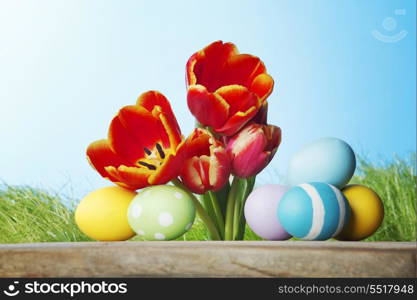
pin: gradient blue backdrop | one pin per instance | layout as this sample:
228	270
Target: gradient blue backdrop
67	66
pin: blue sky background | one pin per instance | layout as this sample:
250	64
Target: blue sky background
66	67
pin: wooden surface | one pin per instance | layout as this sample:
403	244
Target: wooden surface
209	259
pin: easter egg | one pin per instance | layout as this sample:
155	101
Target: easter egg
102	214
260	212
328	160
161	212
367	213
313	211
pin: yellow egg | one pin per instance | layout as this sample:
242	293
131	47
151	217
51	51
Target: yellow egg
102	214
367	213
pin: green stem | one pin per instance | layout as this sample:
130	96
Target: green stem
222	197
211	227
230	209
239	233
239	205
208	207
236	218
217	212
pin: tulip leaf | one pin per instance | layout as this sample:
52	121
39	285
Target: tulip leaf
245	188
211	205
239	191
222	197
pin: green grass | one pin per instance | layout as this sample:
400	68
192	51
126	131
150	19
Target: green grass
395	183
32	215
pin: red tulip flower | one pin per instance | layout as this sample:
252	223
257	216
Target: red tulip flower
208	165
253	148
226	89
144	146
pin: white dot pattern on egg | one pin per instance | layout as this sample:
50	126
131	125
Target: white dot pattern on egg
159	236
165	219
136	210
166	212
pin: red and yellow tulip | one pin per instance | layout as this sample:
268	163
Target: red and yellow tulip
226	89
253	148
207	167
144	145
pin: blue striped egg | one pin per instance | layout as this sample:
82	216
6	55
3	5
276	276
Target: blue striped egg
313	211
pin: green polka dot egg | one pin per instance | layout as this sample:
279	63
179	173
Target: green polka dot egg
161	212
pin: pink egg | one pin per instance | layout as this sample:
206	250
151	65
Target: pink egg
261	212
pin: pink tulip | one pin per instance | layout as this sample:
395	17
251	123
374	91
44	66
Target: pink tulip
253	148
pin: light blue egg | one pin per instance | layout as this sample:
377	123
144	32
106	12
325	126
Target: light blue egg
329	160
313	211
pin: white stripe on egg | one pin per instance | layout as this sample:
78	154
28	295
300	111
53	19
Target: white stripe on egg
318	211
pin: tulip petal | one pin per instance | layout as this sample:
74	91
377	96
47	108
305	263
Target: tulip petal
208	164
123	143
171	166
198	143
273	136
190	176
142	125
190	72
100	156
243	107
205	67
236	122
171	130
132	177
242	168
261	116
209	109
251	138
203	166
219	171
253	148
195	174
238	97
158	104
242	69
247	151
150	99
262	85
204	173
